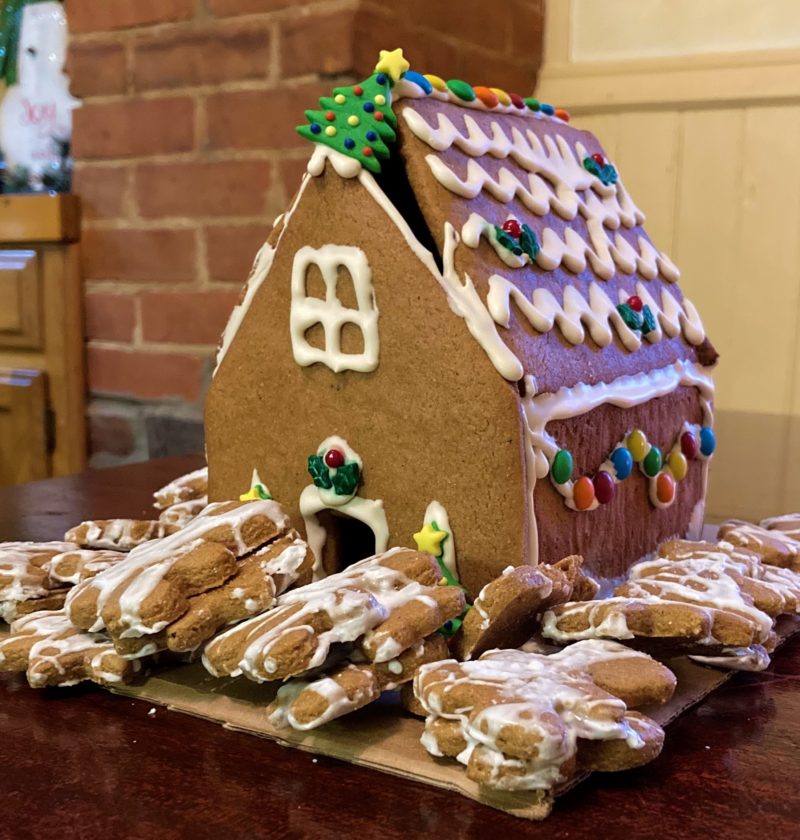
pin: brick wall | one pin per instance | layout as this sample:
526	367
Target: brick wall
185	151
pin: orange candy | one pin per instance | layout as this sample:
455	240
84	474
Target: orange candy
562	114
583	493
665	488
488	97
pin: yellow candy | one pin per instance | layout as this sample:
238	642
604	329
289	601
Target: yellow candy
353	120
637	444
436	82
678	465
340	99
380	99
504	98
330	131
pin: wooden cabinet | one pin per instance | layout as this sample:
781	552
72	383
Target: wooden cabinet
42	381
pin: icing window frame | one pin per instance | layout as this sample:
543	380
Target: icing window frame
307	311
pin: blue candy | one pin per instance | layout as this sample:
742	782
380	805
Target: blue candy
622	460
315	128
419	80
708	442
349	143
547	109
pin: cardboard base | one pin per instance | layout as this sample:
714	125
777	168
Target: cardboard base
382	736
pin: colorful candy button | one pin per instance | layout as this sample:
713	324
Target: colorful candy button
583	493
420	81
665	488
561	114
622	460
331	131
653	462
516	100
689	445
708	442
533	104
562	466
340	99
637	444
353	120
678	465
380	99
486	96
547	109
461	89
603	487
436	82
505	98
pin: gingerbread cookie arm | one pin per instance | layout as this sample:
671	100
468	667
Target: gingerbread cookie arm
644	744
413	621
81	564
181	513
306	706
118	534
776	548
187	487
11	611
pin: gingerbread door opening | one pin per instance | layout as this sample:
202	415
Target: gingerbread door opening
347	541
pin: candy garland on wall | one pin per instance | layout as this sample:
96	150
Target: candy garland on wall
590	492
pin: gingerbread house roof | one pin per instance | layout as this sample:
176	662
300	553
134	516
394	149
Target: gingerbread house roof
527	227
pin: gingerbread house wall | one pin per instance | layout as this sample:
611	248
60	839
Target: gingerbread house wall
433	421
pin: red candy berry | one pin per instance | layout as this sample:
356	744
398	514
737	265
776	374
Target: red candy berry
378	116
334	458
330	116
598	159
689	445
635	303
604	487
358	90
366	151
512	227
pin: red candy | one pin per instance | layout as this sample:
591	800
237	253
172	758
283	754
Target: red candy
378	116
516	100
366	151
358	90
583	493
689	445
604	487
598	159
330	116
512	227
334	458
635	303
665	488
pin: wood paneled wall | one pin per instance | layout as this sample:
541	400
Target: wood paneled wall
709	147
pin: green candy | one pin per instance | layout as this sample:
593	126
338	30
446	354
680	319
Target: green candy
533	104
562	466
507	241
631	317
461	89
649	321
529	242
652	462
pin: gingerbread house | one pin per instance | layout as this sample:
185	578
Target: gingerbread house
460	323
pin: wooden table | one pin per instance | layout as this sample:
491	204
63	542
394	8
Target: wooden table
82	763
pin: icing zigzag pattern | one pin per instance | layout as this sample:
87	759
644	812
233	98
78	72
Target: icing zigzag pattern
598	314
556	182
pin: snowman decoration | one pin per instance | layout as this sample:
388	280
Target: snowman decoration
36	111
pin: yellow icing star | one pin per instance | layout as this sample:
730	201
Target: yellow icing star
430	539
255	493
392	63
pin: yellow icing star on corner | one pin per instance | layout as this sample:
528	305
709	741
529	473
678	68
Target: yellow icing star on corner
430	539
255	493
392	63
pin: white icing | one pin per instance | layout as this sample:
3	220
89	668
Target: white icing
788	523
598	313
356	600
134	579
179	488
78	564
435	512
182	512
545	697
258	274
20	579
625	392
753	658
555	182
307	312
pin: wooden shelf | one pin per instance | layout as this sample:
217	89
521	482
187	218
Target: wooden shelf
40	218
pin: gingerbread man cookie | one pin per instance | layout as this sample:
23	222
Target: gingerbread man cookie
193	485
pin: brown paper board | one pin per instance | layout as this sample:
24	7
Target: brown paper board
382	736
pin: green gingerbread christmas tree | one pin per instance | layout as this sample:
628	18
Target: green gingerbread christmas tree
358	121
